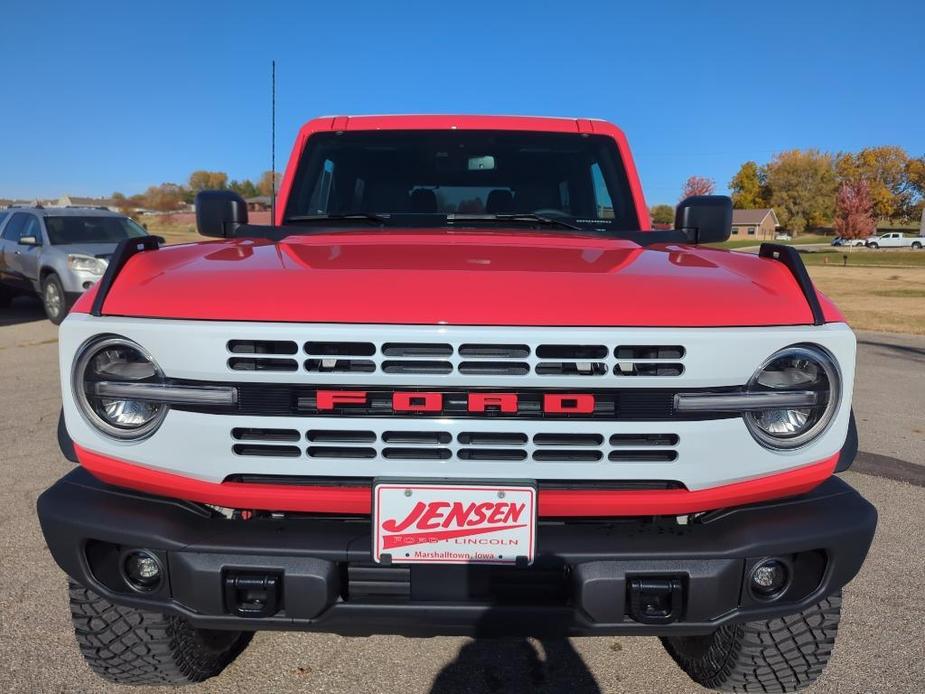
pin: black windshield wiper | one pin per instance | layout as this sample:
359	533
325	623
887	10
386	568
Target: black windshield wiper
525	217
370	217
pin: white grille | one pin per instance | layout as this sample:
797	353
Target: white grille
515	360
471	445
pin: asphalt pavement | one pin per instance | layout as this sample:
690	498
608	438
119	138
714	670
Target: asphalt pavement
880	646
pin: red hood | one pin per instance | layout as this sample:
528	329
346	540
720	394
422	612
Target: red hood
439	277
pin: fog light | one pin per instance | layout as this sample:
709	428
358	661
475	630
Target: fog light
142	570
769	578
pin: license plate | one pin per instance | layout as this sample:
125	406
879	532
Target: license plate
453	523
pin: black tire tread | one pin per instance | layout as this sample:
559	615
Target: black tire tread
132	646
779	655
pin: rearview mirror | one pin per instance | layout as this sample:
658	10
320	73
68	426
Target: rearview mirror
219	212
29	241
705	218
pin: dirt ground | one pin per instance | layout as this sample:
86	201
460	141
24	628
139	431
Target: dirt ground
888	299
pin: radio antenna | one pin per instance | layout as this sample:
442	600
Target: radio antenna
273	146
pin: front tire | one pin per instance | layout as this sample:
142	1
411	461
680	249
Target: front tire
778	655
54	299
130	646
873	245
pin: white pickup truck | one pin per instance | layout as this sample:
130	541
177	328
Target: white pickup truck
895	239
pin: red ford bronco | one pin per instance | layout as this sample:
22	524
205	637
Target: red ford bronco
458	387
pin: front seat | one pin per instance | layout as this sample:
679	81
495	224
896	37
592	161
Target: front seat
423	200
499	202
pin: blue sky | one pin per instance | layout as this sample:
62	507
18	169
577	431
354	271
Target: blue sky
116	96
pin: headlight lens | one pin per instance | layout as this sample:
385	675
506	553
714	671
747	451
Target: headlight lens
798	368
117	360
86	263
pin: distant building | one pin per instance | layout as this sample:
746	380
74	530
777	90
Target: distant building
74	201
259	203
759	224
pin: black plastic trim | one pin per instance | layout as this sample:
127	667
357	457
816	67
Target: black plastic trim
642	238
850	450
790	257
712	555
124	251
65	442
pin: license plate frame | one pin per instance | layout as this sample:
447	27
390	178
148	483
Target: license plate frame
435	536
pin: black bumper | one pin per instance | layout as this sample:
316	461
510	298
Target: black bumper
578	585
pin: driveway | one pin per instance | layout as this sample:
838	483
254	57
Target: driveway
879	647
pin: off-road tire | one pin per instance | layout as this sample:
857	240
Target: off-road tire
779	655
52	283
916	245
130	646
873	245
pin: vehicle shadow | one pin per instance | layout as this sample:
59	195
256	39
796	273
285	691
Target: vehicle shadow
23	309
916	353
491	665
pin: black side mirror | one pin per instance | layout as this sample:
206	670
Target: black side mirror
705	218
219	212
29	241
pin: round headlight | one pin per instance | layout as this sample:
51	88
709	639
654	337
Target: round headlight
117	360
800	369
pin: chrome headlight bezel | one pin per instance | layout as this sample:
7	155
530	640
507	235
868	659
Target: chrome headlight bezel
824	413
81	262
90	349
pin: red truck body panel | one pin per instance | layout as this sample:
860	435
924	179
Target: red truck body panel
552	502
515	278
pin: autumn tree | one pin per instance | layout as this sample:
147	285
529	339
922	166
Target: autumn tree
697	185
749	187
125	205
853	210
802	185
207	180
265	186
167	197
885	169
662	214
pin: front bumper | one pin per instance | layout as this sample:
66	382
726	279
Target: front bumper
578	585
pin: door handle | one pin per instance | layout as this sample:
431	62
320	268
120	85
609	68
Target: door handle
17	253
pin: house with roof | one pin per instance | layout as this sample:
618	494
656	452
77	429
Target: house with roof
74	201
759	224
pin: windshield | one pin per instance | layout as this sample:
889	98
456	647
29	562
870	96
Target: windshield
430	177
73	229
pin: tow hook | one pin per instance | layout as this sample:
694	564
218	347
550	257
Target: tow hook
655	600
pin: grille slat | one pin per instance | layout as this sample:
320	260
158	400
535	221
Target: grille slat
340	452
568	439
340	365
411	349
262	347
340	349
262	364
494	368
419	366
489	351
409	453
340	436
255	434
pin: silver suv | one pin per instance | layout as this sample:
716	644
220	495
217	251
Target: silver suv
57	253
